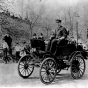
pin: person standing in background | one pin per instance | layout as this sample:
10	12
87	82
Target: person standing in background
7	38
5	49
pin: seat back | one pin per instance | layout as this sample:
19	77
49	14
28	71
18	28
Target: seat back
62	47
38	44
62	43
34	43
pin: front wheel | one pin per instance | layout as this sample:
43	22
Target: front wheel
25	67
48	70
77	66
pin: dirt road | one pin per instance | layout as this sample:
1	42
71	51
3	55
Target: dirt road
9	77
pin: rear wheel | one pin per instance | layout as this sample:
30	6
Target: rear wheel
25	67
77	66
48	70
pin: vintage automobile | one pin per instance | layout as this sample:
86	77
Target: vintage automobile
69	54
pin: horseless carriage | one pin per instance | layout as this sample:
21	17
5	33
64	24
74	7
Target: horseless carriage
68	54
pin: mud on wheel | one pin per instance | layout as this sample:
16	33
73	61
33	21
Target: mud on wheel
25	67
48	70
77	66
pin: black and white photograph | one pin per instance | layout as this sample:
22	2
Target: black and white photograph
44	43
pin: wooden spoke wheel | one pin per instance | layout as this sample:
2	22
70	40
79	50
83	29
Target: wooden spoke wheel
77	66
25	67
48	70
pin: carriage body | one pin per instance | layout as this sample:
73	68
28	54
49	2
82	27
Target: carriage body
64	57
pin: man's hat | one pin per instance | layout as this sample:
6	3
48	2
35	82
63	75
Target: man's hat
41	33
58	21
34	34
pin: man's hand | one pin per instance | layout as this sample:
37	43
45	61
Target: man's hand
62	38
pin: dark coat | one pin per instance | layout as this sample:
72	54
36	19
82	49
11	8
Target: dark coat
61	31
8	40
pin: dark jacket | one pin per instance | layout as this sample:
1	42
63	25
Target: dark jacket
8	40
61	31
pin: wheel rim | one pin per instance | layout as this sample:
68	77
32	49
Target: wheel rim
25	67
78	67
48	71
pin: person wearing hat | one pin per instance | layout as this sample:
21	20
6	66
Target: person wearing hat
41	36
34	36
52	36
7	38
61	33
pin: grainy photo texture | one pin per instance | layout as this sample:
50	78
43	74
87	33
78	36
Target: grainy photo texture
44	43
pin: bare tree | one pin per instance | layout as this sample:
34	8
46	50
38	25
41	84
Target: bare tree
33	17
47	25
71	19
65	18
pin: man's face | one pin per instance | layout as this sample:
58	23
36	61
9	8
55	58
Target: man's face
7	34
59	24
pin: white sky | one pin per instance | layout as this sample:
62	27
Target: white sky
52	4
64	2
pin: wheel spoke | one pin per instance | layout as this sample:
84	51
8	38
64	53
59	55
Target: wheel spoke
51	76
48	78
44	77
44	67
25	72
46	63
29	69
52	70
52	66
43	70
30	66
44	74
80	71
21	64
25	60
78	74
22	70
81	65
21	67
80	60
75	74
74	70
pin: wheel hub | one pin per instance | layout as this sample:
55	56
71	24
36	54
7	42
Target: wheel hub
26	66
76	65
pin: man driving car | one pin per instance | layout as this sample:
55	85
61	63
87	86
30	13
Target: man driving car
61	33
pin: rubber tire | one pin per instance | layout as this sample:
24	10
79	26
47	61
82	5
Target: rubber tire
25	77
41	68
